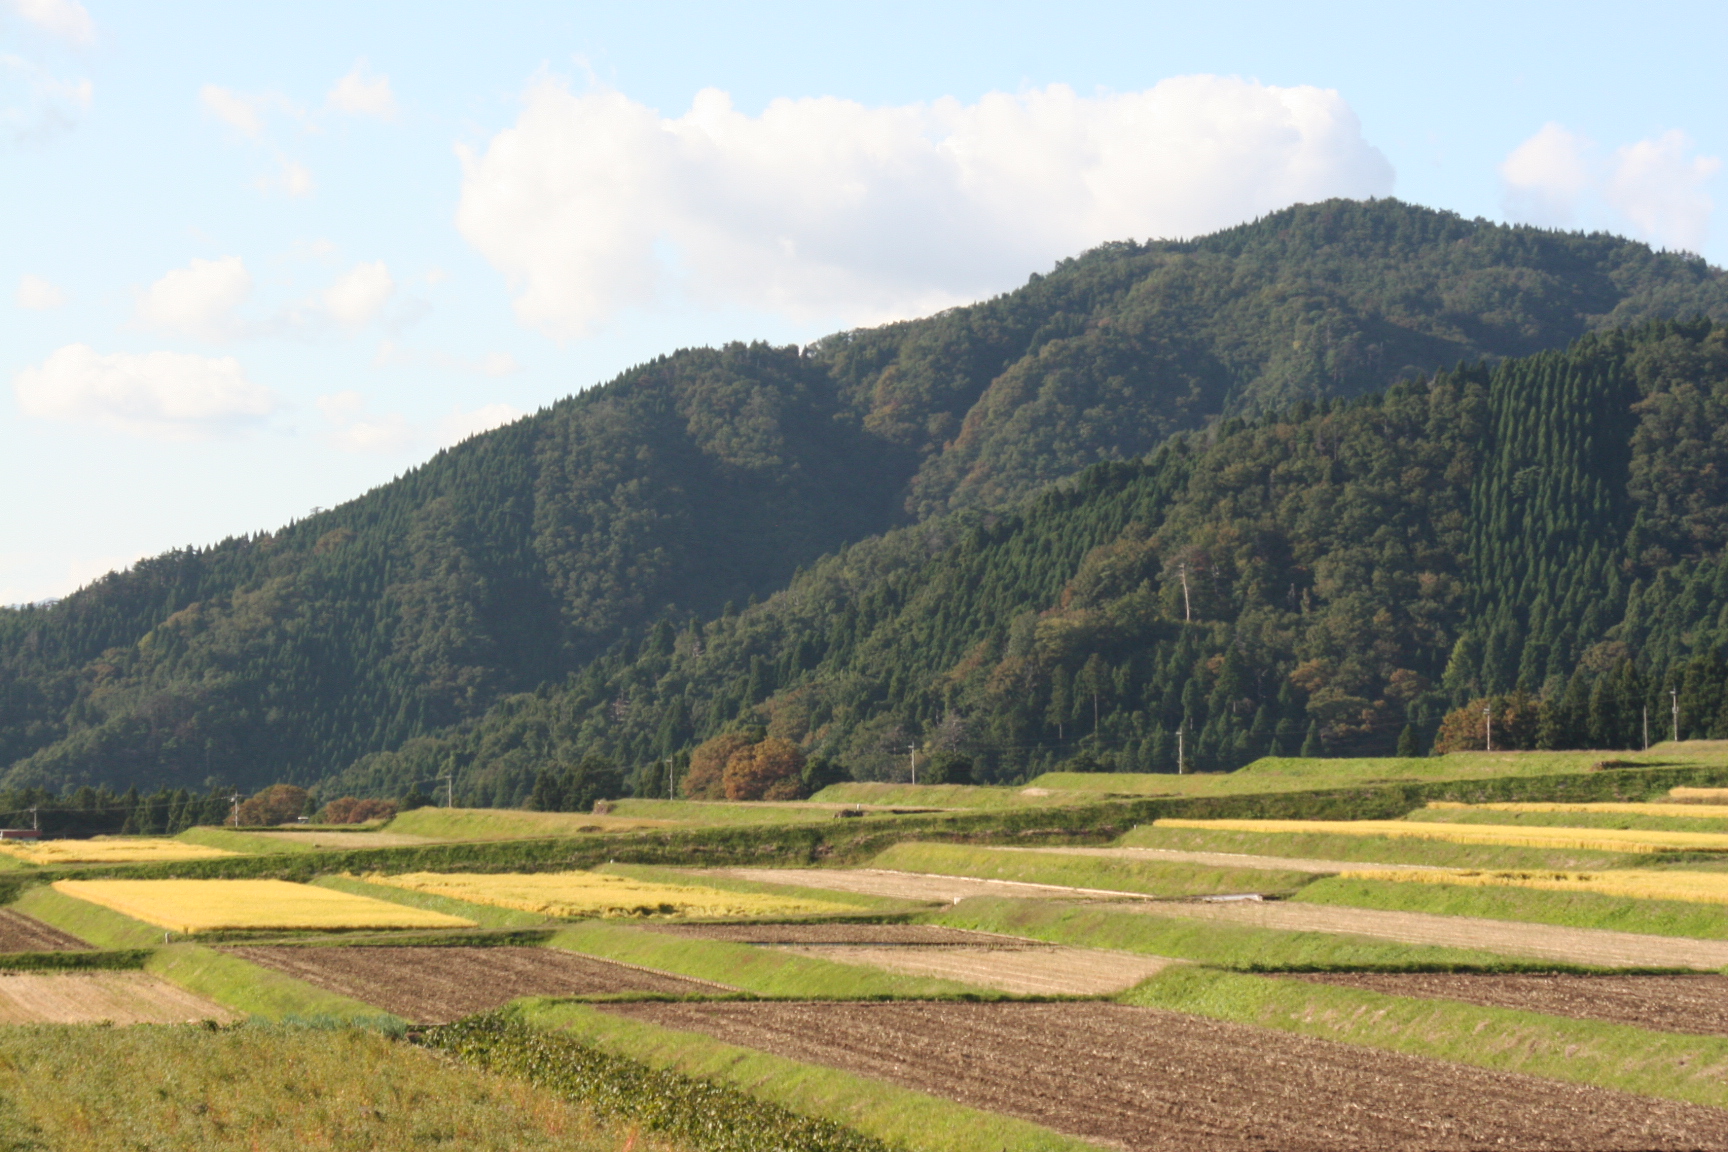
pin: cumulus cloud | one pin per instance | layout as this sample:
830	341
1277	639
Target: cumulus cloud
360	294
827	208
199	299
360	94
242	113
64	18
1654	188
163	395
459	425
353	429
37	294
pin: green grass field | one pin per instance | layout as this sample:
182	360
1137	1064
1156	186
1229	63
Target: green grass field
1372	849
1583	1051
949	796
1150	878
1211	943
271	1089
237	841
1531	905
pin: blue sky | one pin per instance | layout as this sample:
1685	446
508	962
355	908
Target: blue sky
259	258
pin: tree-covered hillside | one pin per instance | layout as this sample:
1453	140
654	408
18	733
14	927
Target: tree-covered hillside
619	516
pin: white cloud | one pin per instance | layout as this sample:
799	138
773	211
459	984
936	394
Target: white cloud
199	299
824	208
64	18
1546	175
51	107
459	425
359	94
238	111
165	395
296	179
359	294
37	294
353	429
1653	188
1657	186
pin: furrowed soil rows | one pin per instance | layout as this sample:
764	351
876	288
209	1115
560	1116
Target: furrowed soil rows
924	886
1697	1005
21	933
1593	946
1053	971
92	997
1146	1079
438	985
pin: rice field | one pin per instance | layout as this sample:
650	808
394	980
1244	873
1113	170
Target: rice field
1637	883
193	906
1617	808
574	895
1529	836
107	850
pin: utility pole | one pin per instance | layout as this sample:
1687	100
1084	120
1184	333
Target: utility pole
449	790
913	748
1187	609
1646	727
1674	695
1488	726
35	823
1181	760
669	778
235	815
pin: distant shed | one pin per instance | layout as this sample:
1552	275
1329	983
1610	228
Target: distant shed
19	834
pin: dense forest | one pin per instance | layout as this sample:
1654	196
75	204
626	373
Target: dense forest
1307	483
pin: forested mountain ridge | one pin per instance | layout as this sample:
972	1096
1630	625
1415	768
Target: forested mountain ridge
710	476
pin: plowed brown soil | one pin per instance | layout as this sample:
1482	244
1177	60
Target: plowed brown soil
1692	1004
1593	946
879	935
1147	1079
92	997
437	985
21	933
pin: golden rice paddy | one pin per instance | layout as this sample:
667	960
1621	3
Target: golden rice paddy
1642	884
192	906
569	895
108	850
1520	836
1691	796
1617	808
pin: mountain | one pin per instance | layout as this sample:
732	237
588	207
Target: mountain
539	562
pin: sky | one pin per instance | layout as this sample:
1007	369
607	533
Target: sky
256	259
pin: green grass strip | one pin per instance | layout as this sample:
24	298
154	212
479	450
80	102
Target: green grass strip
763	971
246	842
1688	1068
72	961
895	1116
1210	942
1153	878
1531	905
1373	849
258	991
485	915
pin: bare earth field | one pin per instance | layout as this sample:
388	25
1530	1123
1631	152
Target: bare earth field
912	885
1145	1079
878	935
1027	971
92	997
1697	1005
437	985
21	933
1594	946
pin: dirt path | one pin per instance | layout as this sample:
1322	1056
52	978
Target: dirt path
437	985
92	997
1150	1080
925	886
1697	1005
1232	860
21	933
1546	941
1049	971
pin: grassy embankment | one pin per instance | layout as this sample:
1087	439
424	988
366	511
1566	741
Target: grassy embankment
1371	849
272	1089
766	972
895	1116
1150	878
1221	945
1531	905
953	796
1619	1056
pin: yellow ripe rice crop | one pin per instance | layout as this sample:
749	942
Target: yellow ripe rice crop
192	906
1691	796
1617	808
1642	884
568	895
1519	836
107	850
